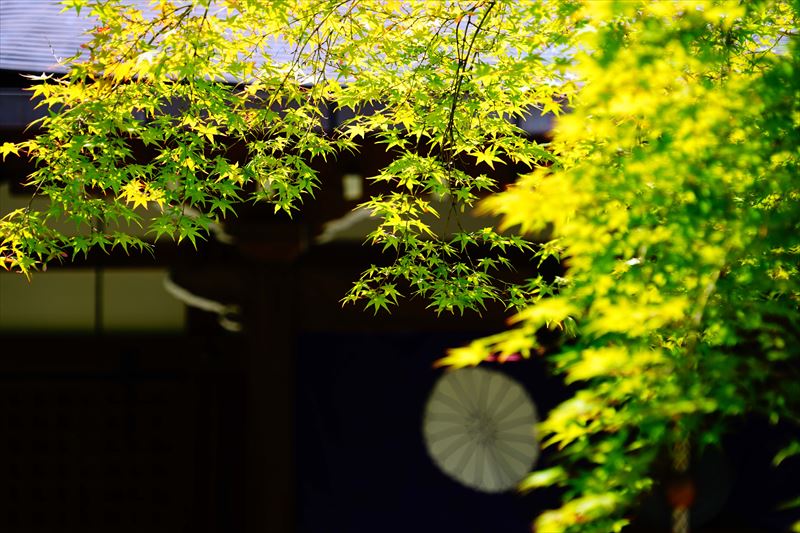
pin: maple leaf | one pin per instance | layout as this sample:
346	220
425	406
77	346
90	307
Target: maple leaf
488	156
8	148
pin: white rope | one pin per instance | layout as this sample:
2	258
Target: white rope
224	311
335	229
680	520
680	462
680	459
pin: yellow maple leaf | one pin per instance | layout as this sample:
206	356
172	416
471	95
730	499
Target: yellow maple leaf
471	355
139	194
8	148
488	156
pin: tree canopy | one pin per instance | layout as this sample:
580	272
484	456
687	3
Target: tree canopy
668	190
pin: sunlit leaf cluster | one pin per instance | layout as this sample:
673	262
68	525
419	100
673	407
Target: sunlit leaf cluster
142	129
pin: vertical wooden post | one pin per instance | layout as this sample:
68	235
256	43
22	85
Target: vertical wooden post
269	462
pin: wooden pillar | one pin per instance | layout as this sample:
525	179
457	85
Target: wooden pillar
269	448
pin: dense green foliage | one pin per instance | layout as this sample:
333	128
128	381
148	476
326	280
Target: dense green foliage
669	190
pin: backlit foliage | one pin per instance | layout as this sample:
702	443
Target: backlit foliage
669	190
676	207
147	113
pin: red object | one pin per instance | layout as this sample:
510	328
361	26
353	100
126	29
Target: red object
681	493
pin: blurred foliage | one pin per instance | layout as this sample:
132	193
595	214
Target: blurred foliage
677	213
669	190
